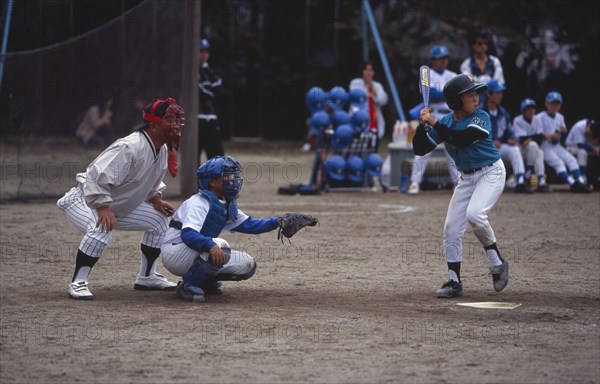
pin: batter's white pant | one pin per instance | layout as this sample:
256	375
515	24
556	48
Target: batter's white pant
580	154
557	157
143	218
474	197
178	258
511	154
420	166
534	157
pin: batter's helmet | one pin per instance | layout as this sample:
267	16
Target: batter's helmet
315	99
373	164
355	169
319	122
228	168
336	167
554	96
357	96
340	117
338	98
360	121
457	86
438	51
342	137
527	103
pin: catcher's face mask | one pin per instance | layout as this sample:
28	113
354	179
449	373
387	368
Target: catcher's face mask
232	178
169	114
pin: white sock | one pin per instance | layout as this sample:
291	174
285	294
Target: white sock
452	275
82	274
493	257
570	180
541	180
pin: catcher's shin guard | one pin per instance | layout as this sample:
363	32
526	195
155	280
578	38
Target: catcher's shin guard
199	272
235	276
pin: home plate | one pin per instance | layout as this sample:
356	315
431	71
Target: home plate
491	305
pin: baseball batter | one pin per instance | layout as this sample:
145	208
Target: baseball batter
192	248
122	189
466	133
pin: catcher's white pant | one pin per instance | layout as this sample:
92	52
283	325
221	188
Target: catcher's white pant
557	157
420	166
143	218
178	258
534	157
511	154
474	197
580	154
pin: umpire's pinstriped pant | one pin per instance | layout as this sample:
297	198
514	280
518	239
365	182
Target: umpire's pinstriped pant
143	218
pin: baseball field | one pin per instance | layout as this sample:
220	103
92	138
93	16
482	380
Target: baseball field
349	301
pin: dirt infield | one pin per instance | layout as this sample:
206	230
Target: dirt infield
349	301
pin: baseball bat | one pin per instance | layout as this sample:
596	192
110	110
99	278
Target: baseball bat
424	84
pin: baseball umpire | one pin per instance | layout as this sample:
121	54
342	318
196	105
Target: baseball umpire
467	135
122	189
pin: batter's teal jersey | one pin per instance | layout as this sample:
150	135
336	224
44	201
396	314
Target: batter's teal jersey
476	155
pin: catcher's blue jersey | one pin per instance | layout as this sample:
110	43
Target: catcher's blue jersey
479	154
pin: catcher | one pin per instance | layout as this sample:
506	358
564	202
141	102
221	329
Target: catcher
192	248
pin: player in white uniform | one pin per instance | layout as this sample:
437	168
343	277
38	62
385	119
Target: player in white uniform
528	130
122	189
192	247
581	143
553	124
503	134
439	76
466	133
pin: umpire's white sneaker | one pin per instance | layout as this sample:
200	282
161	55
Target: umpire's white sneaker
79	290
413	189
154	282
500	275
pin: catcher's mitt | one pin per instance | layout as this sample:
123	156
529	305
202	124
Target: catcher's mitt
291	223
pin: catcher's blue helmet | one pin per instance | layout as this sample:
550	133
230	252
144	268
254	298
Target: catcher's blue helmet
355	169
338	98
342	137
340	117
228	168
315	99
360	121
373	164
319	122
357	96
527	103
336	167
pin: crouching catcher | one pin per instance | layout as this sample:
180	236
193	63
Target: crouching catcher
192	248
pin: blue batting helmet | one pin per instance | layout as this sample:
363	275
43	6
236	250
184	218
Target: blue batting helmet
338	98
554	96
340	117
315	99
527	103
204	44
360	121
319	122
342	137
357	96
226	167
355	169
373	164
336	167
438	51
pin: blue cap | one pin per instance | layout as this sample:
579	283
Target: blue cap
336	167
355	169
495	86
438	51
527	103
373	164
553	96
204	44
342	137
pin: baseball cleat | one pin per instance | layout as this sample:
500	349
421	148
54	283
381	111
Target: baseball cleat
523	188
450	288
413	189
543	188
79	291
577	187
154	282
212	287
190	293
500	275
